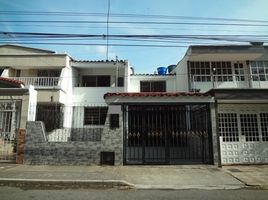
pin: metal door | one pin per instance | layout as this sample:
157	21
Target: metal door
7	131
160	134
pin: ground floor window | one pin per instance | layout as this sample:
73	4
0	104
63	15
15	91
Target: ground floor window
95	115
252	126
51	115
228	127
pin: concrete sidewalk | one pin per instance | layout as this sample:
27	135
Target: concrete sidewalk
138	177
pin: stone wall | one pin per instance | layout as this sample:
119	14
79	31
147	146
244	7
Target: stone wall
20	146
40	151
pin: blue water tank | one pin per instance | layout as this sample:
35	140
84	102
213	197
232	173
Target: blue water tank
162	70
171	67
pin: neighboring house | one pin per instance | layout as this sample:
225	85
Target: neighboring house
49	73
211	108
15	111
237	78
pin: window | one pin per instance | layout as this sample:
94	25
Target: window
239	72
153	86
95	115
120	81
264	126
228	128
249	127
49	73
114	121
259	70
222	71
96	81
200	71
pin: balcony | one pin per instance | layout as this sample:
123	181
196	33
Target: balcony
203	83
40	82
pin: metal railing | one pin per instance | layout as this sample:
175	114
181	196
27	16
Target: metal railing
39	81
227	81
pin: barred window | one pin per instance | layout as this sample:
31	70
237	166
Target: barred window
239	72
114	121
153	86
228	127
96	81
200	71
95	115
222	71
259	70
264	126
249	127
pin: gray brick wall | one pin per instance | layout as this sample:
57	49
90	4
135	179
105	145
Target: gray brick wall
39	151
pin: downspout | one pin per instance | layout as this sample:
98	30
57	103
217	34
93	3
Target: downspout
217	133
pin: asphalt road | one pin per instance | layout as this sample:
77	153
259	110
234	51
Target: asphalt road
7	193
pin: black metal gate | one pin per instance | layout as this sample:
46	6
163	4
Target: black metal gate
161	134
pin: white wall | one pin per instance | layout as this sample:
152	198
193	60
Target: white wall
32	104
182	76
85	95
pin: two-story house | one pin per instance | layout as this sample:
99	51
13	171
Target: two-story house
236	77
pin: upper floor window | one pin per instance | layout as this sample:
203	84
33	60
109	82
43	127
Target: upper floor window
49	73
222	71
95	115
153	86
96	81
259	70
203	71
120	81
200	71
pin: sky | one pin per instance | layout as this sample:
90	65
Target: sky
144	59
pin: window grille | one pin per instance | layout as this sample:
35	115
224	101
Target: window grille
153	86
259	70
96	81
228	128
239	72
200	71
222	72
249	127
114	121
264	126
95	115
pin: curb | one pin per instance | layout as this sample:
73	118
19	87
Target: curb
189	187
65	184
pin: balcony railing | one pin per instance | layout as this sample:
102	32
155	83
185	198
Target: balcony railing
39	81
206	82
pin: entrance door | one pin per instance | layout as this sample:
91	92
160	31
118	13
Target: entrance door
7	131
160	134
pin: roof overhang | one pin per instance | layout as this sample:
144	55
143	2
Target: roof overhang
13	91
240	95
224	53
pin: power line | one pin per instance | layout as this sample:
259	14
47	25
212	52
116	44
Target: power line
134	22
124	15
107	32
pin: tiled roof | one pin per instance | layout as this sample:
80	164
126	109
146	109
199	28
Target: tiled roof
156	94
153	74
11	81
99	61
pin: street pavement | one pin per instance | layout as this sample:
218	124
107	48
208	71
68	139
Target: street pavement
138	177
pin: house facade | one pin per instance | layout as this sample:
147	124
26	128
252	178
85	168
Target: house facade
210	109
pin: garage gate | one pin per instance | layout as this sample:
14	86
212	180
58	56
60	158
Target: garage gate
173	134
243	130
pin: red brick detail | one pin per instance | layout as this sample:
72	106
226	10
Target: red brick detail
155	94
20	146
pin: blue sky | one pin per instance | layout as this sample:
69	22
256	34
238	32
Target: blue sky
143	59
